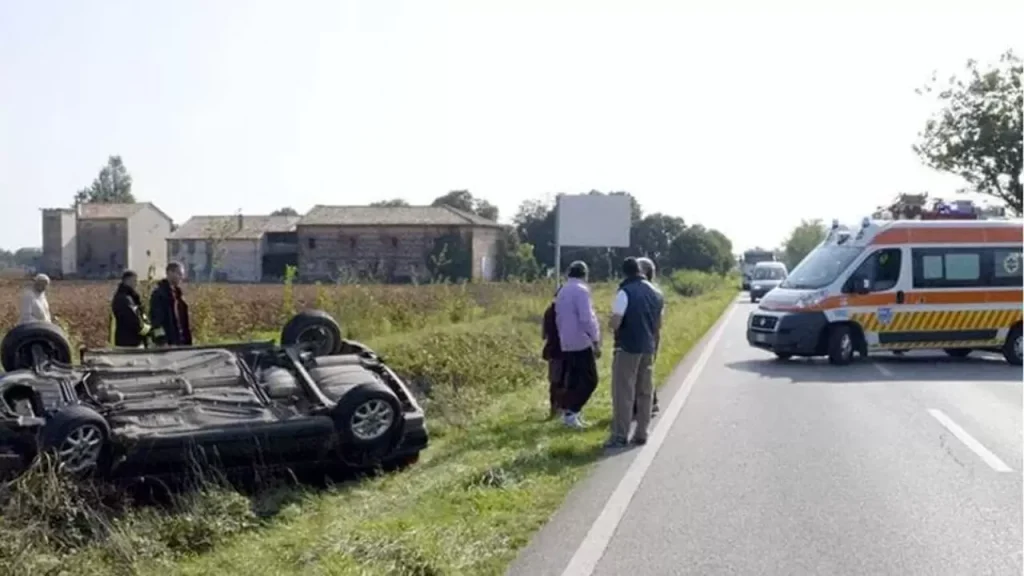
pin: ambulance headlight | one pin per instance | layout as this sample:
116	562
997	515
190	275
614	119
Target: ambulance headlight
811	299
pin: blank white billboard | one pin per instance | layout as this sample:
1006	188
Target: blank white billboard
594	221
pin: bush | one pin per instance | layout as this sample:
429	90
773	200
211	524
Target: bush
690	283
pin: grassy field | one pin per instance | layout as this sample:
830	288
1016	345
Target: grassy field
494	473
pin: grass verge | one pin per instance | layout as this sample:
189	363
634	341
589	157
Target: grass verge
494	474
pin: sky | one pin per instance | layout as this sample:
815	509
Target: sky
728	113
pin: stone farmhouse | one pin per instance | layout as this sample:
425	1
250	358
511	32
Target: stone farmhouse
236	248
390	243
100	241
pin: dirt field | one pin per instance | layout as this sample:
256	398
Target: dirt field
225	311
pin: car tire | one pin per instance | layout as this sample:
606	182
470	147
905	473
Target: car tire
78	439
1012	346
316	329
753	300
368	416
840	345
957	352
783	355
16	347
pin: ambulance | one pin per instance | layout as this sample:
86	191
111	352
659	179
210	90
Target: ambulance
898	285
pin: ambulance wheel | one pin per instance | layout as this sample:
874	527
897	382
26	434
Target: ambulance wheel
957	352
840	345
1012	347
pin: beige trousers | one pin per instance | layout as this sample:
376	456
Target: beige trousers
632	382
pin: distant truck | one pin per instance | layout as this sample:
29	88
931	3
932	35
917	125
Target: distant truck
750	259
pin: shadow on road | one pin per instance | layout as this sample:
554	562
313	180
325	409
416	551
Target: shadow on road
885	368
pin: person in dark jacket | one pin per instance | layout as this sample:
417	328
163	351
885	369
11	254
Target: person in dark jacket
168	310
647	269
552	354
129	327
636	322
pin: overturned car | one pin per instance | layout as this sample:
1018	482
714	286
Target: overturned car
315	399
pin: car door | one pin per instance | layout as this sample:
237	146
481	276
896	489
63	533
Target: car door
876	297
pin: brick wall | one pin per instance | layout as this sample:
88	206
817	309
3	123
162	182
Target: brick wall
102	248
392	253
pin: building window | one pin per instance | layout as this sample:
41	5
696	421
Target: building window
311	242
190	246
148	254
352	243
394	242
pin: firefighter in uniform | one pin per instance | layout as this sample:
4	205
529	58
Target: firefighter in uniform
169	311
128	325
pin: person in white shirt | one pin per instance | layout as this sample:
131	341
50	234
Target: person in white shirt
34	306
647	269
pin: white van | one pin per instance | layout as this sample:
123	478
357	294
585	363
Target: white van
953	285
765	277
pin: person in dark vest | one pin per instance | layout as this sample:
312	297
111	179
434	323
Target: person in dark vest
128	325
168	310
636	322
647	269
552	354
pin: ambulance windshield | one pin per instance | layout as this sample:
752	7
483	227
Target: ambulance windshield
821	267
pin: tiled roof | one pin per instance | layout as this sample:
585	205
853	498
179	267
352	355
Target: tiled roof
392	216
100	211
227	227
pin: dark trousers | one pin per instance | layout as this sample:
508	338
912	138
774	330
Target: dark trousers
556	383
580	378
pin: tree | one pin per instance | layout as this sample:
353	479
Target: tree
450	258
653	235
394	203
804	238
516	260
463	200
977	134
698	248
217	232
112	186
24	258
286	211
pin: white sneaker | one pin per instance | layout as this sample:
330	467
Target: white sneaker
572	421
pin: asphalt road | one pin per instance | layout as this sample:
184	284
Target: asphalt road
892	465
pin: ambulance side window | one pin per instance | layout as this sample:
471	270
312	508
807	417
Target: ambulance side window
882	268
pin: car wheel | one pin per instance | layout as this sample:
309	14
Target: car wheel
753	300
21	344
314	329
957	352
1012	347
368	416
783	355
840	345
77	438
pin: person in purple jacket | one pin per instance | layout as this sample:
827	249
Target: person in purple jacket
580	337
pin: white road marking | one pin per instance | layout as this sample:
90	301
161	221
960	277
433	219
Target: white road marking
991	459
885	371
594	544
